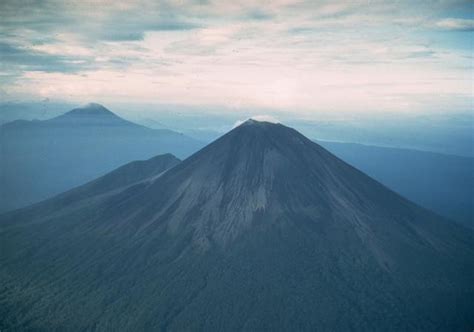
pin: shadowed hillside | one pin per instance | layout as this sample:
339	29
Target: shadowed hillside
40	159
442	183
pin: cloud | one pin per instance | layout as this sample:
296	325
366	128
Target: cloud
283	54
455	24
32	60
125	28
94	20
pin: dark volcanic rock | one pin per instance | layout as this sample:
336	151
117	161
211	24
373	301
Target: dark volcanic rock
260	230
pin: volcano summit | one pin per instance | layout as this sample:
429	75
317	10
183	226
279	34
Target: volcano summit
262	229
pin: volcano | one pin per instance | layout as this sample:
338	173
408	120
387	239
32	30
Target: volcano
40	159
262	229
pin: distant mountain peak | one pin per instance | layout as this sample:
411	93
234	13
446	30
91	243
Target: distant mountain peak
91	109
92	114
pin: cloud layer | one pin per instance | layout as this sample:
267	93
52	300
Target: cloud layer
299	56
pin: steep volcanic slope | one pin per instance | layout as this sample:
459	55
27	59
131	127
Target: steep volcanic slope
261	230
98	190
441	183
40	159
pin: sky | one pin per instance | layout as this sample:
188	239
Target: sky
296	57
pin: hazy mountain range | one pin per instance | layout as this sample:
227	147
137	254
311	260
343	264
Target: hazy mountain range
442	183
446	133
42	158
261	230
